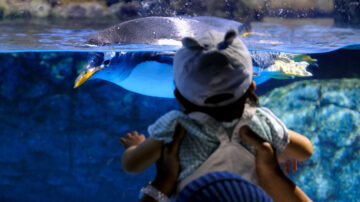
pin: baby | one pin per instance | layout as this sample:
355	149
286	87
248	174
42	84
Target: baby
213	79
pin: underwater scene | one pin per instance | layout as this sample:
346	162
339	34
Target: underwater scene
75	76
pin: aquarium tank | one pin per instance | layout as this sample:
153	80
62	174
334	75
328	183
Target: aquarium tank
59	142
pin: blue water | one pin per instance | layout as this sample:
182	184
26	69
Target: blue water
58	143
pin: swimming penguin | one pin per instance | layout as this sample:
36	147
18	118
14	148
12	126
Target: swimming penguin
146	73
141	71
161	30
150	72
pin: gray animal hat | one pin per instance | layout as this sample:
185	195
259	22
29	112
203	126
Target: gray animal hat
213	64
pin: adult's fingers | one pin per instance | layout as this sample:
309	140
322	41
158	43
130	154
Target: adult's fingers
294	165
287	167
252	138
179	135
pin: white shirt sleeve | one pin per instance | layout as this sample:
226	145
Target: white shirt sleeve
270	128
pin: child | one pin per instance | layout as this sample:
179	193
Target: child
213	79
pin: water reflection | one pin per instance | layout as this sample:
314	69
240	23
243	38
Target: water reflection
275	34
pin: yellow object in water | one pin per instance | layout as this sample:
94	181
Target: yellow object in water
85	75
285	68
304	57
245	34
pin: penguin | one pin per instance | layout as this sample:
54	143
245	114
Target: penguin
141	71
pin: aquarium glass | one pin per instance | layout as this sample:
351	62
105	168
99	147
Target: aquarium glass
60	143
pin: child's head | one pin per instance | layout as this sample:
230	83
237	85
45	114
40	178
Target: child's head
213	71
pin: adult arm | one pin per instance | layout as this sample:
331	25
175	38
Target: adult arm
167	167
270	176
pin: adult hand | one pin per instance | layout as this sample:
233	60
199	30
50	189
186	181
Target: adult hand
168	166
265	158
270	176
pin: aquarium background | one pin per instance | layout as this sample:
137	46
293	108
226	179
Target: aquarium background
58	143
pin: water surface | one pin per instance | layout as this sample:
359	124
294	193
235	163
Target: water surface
287	35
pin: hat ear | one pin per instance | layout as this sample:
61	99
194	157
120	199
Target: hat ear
191	43
228	39
230	36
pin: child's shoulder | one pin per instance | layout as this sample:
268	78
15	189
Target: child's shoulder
265	117
172	114
264	112
270	128
169	117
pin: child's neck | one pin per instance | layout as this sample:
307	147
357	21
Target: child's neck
222	114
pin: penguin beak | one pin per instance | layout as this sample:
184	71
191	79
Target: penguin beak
86	74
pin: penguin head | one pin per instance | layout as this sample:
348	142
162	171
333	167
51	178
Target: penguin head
96	61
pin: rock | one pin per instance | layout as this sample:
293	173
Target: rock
94	10
115	100
40	8
53	113
4	9
15	9
347	12
87	109
325	6
111	2
327	112
299	9
238	10
22	13
79	10
37	89
62	142
9	84
155	8
125	10
62	70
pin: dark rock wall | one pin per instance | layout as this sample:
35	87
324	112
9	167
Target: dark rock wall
328	113
61	144
127	9
347	12
326	109
242	10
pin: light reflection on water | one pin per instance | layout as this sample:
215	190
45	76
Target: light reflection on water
290	35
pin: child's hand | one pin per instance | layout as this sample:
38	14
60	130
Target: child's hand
288	163
132	139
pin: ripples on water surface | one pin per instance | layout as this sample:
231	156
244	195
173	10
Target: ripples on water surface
301	36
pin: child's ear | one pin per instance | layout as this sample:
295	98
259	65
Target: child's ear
253	85
177	96
191	43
